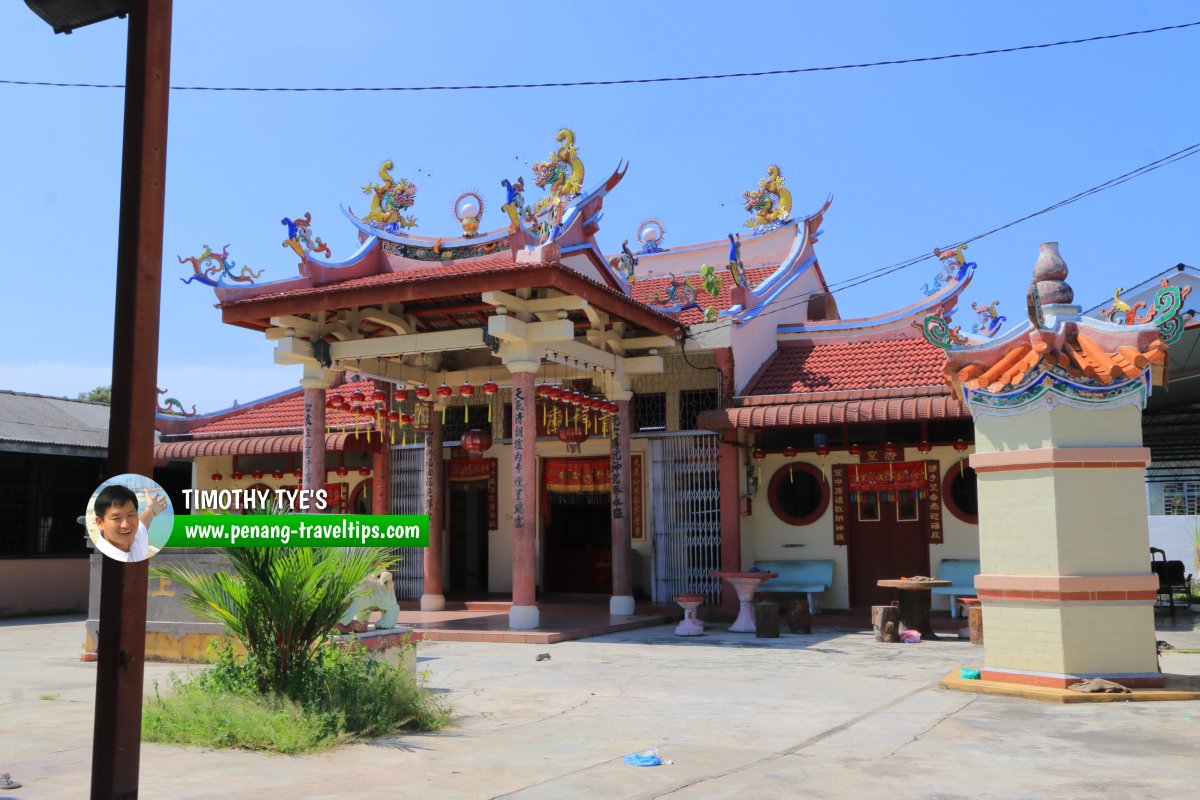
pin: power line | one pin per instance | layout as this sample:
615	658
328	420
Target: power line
624	81
875	274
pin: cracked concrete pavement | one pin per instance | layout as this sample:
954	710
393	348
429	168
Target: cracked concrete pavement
828	715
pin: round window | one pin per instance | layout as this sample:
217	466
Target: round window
960	493
798	494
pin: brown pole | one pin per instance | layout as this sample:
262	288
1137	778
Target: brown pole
117	729
433	596
313	458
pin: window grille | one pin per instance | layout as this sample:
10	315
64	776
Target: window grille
1181	498
408	497
691	403
650	412
686	515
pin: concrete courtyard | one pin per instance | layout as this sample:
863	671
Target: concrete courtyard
828	715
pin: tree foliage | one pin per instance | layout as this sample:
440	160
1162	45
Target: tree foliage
101	394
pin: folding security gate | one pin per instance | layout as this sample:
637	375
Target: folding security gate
408	464
686	503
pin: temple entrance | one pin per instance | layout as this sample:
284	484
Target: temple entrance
578	544
888	538
468	529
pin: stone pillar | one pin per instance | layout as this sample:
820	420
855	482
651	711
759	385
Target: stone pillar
621	603
524	612
432	597
313	457
1064	547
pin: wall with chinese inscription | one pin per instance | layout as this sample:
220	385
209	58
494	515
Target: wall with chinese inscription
766	537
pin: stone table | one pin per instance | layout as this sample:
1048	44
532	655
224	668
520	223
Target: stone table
745	584
914	603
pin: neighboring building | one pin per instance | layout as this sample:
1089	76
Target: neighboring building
713	416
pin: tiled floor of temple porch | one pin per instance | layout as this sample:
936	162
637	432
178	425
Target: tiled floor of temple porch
562	619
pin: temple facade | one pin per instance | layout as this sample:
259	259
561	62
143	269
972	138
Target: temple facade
620	421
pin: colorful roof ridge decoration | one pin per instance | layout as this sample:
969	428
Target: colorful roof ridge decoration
1059	356
220	268
648	290
770	203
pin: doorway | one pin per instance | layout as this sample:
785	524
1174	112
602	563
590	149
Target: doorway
468	528
577	535
888	538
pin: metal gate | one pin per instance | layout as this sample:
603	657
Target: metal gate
686	500
408	498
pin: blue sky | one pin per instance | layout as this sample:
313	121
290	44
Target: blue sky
916	156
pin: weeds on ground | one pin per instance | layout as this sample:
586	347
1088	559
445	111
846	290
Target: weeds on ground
341	694
55	696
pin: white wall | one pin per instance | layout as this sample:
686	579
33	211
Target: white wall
1175	535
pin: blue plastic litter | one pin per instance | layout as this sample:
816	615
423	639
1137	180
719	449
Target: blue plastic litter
647	759
968	674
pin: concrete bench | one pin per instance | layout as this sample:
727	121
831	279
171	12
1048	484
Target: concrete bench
962	572
810	577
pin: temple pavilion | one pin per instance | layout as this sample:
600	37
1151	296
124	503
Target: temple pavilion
616	421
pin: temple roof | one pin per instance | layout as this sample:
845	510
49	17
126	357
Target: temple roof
646	289
282	413
805	368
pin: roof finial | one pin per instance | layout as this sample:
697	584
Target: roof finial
1050	273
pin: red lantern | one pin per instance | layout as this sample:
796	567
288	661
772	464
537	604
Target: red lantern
217	477
393	416
924	447
960	446
297	474
406	419
257	474
342	472
357	397
379	395
476	442
855	450
330	405
789	452
466	390
445	391
235	475
572	436
543	389
823	450
490	388
364	471
758	454
277	474
422	392
400	395
890	449
555	393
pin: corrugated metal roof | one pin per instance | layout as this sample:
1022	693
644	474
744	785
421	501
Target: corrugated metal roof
52	420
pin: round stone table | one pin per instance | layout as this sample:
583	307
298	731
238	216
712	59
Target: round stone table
914	603
689	626
745	584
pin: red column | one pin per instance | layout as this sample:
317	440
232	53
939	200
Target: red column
432	597
731	523
313	475
524	611
621	603
381	482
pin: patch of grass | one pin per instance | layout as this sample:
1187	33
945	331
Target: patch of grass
343	694
50	697
1190	650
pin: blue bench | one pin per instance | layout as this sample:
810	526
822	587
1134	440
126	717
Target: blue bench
961	572
810	577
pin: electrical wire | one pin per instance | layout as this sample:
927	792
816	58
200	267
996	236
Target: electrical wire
875	274
627	81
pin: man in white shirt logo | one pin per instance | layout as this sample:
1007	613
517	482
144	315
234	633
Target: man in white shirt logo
123	533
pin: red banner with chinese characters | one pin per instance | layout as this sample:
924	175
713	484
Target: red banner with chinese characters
839	503
478	469
578	475
637	531
904	476
933	471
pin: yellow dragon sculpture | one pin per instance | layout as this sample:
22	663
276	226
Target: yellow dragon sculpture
389	198
770	202
562	170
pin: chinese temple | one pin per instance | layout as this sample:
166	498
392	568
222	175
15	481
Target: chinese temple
615	421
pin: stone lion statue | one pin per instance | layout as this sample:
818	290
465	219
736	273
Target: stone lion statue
380	597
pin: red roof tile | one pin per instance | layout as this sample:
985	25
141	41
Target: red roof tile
808	368
646	289
244	446
900	409
285	414
502	262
